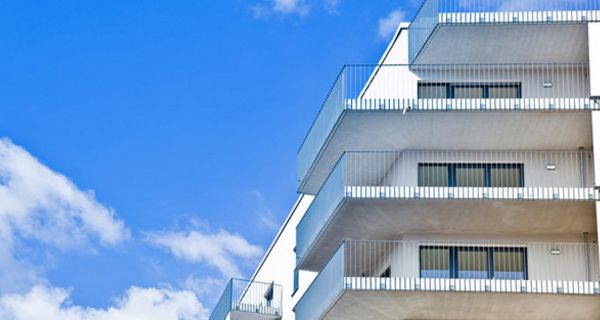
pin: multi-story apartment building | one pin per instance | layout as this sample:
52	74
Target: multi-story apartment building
455	179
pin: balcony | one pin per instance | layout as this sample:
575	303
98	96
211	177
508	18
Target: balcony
413	279
248	300
494	31
394	107
381	195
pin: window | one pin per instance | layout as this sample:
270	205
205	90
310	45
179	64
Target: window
505	175
468	90
473	262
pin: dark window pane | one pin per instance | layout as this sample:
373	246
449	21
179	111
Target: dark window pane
468	92
432	91
508	176
435	262
470	176
509	264
472	263
504	92
433	175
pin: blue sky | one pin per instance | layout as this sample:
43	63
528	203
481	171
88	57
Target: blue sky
177	123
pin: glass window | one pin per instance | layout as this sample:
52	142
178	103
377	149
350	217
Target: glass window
432	91
433	175
470	175
509	263
504	92
468	92
506	175
472	263
435	262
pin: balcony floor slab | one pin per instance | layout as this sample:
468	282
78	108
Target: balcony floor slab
476	130
382	305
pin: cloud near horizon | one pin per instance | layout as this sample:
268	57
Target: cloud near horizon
43	302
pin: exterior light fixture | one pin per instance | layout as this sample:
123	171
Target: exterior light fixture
555	252
550	166
547	84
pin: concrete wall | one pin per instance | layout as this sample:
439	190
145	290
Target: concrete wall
280	261
571	81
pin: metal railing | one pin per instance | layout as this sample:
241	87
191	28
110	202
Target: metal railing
435	12
462	266
414	174
404	88
248	296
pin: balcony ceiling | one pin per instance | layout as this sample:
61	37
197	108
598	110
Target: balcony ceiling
393	131
394	305
510	43
378	219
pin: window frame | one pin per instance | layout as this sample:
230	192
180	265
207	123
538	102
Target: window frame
452	174
453	259
450	89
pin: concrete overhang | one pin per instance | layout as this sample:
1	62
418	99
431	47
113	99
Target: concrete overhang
452	130
410	305
390	219
506	43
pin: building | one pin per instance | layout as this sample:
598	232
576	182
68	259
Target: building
456	178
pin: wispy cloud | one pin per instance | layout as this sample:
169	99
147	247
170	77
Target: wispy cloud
387	26
266	218
41	206
332	6
43	302
222	250
301	8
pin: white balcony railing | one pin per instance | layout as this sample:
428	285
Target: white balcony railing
436	12
447	88
263	300
451	175
453	266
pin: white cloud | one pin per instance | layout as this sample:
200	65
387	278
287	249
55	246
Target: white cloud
332	6
290	6
43	302
389	25
40	206
266	218
222	249
267	8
